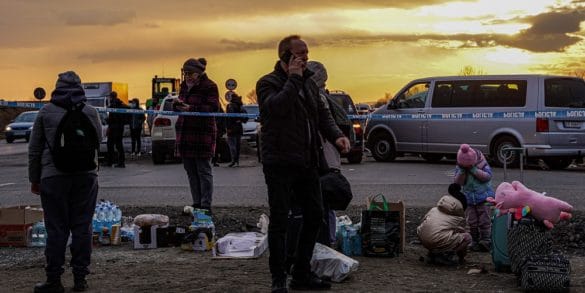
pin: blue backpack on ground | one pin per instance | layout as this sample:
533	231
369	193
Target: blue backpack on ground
75	145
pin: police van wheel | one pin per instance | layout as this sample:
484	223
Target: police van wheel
158	158
382	147
499	156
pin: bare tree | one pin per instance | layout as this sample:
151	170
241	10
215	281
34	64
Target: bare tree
252	97
382	101
470	70
580	73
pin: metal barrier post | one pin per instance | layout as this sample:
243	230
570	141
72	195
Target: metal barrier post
520	151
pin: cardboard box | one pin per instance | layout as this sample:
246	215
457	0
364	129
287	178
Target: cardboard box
145	237
395	207
20	215
15	223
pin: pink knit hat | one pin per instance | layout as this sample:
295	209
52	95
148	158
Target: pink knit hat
466	156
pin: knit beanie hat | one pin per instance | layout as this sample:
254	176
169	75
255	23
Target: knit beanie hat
466	156
195	65
319	73
68	79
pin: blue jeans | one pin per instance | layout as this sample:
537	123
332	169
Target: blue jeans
234	143
200	181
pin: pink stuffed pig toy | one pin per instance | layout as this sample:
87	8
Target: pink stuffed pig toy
547	209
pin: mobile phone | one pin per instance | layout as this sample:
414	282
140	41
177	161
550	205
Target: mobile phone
285	57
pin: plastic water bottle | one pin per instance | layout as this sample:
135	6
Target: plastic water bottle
101	219
345	242
117	215
39	235
356	242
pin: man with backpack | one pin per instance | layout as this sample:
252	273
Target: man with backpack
62	166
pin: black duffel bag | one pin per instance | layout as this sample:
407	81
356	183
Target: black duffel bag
336	190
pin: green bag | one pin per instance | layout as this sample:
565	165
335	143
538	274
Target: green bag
380	229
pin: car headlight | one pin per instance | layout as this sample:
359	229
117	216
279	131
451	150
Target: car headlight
30	128
8	128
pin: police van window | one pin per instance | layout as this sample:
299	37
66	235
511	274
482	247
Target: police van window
479	93
564	92
414	97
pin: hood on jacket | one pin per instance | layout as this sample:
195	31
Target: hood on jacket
68	90
450	205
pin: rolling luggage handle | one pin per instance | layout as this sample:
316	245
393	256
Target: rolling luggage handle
521	151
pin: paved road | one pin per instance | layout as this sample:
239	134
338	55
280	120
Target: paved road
412	180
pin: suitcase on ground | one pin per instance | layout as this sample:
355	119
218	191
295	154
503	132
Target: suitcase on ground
527	236
550	273
499	251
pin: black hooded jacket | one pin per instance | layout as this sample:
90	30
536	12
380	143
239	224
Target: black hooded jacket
292	114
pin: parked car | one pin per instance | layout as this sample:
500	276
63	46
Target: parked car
251	126
433	116
163	135
356	136
21	126
363	109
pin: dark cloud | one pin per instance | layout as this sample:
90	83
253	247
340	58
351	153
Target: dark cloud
97	17
552	31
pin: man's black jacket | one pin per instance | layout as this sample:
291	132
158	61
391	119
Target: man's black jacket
292	114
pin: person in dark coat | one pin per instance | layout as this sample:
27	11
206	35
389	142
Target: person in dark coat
234	128
68	199
292	115
116	122
136	126
195	143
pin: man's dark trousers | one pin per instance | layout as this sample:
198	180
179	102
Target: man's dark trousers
284	184
68	204
115	138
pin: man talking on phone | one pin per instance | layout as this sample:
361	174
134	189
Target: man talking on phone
292	115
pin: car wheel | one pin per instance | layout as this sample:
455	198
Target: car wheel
158	157
557	163
355	158
432	158
382	147
27	138
499	156
9	139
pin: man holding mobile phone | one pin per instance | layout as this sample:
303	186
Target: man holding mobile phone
292	115
195	143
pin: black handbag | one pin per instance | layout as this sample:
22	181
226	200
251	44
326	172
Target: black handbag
336	190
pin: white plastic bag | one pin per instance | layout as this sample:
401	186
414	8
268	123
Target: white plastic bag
245	244
328	263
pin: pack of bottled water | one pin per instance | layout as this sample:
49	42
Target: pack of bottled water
106	214
38	235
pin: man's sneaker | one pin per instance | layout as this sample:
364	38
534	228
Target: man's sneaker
279	285
49	286
311	282
80	285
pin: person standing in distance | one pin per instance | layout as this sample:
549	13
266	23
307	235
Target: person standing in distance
68	195
196	136
115	133
292	115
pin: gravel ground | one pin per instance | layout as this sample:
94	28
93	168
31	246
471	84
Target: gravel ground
122	269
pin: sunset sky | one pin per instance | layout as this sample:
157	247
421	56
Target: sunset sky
369	47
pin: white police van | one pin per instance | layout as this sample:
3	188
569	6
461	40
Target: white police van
542	114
